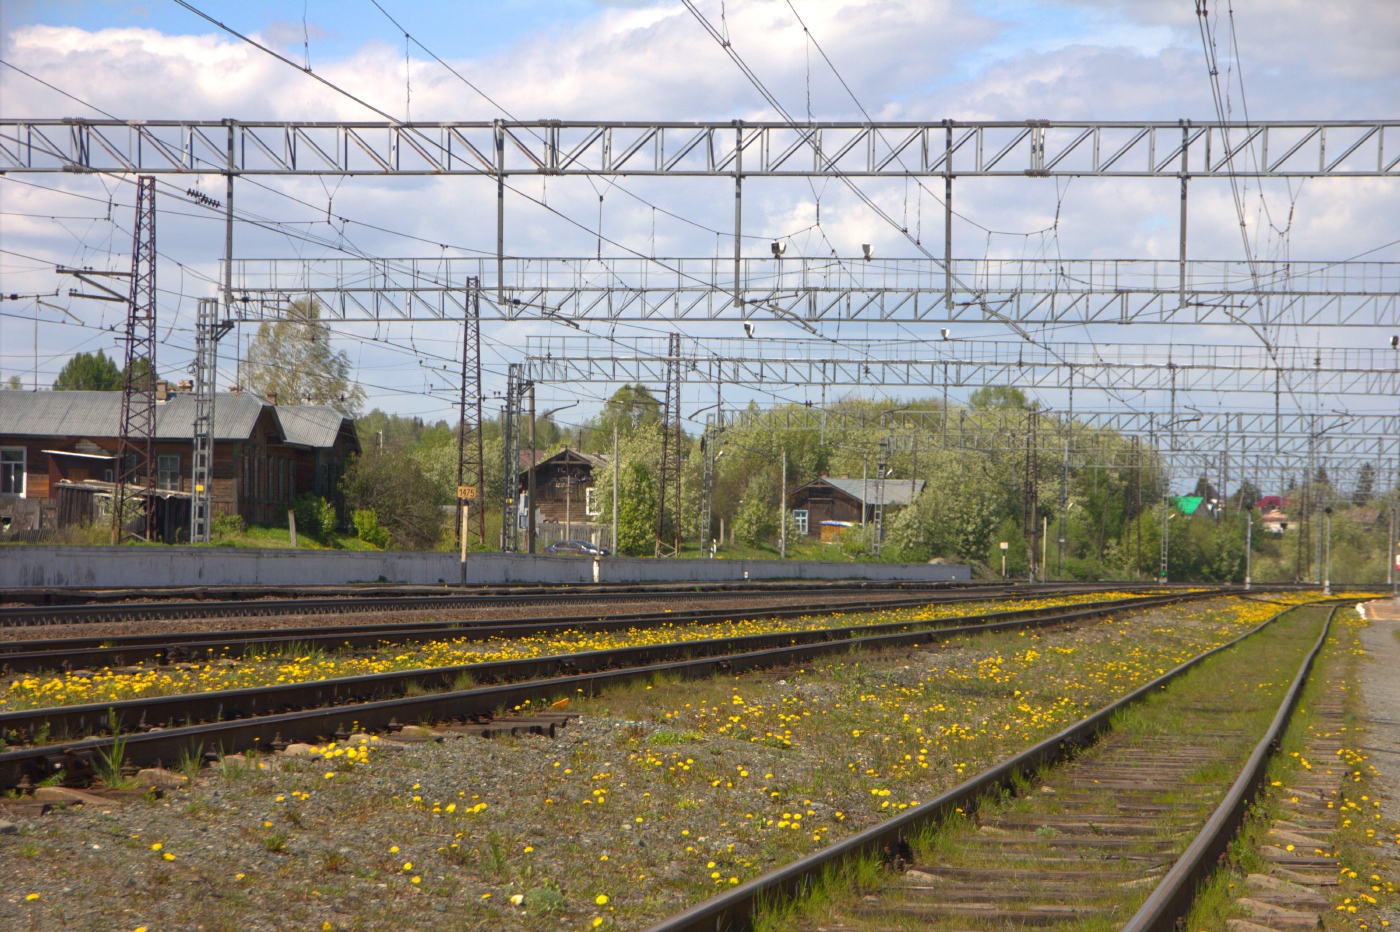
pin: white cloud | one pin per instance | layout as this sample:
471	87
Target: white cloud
909	60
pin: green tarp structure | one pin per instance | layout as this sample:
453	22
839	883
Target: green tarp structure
1187	504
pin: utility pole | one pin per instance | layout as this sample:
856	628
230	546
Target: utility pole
782	512
882	462
1248	543
530	501
615	487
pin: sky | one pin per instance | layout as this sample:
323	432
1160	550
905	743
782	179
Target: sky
571	59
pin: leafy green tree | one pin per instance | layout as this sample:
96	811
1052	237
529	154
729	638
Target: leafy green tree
405	502
636	511
14	383
293	357
956	517
757	520
631	407
1365	485
87	372
1000	398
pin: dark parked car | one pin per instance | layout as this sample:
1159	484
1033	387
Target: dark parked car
576	548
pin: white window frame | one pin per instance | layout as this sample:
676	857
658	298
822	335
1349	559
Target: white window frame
7	471
799	517
163	475
590	501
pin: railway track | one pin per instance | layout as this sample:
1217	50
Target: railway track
138	605
1061	837
19	657
151	729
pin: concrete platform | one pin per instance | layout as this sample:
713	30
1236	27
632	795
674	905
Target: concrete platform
1380	695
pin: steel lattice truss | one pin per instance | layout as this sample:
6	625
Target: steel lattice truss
811	291
1036	148
943	364
1289	445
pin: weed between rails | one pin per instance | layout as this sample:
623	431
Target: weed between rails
303	663
1246	684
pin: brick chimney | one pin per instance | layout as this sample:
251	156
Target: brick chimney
162	390
236	389
272	398
186	386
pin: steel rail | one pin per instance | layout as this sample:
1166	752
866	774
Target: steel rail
1171	899
735	908
262	730
184	611
263	700
49	596
123	650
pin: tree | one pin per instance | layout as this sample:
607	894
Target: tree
294	358
87	372
630	407
405	502
15	383
636	511
1000	398
1365	485
757	520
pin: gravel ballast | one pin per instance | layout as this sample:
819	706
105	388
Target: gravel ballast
653	798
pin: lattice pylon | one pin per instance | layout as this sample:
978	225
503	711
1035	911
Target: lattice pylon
670	468
470	461
136	463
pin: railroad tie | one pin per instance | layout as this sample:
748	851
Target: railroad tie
1301	856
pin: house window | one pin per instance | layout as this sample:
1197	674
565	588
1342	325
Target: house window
12	471
168	472
799	517
590	502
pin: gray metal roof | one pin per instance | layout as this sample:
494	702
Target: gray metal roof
864	490
98	414
309	425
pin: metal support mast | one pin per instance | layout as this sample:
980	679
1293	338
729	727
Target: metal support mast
1030	524
470	460
707	482
882	465
136	463
208	330
511	419
670	469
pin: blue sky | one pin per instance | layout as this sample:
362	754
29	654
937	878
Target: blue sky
453	29
909	60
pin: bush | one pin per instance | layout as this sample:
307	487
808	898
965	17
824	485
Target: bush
228	525
315	516
368	530
405	503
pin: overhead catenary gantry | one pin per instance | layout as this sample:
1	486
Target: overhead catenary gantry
982	148
808	292
800	292
940	365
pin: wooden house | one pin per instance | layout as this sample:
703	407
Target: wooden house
824	507
565	486
264	454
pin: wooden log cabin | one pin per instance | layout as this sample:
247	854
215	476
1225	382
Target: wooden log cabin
565	485
264	454
826	506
